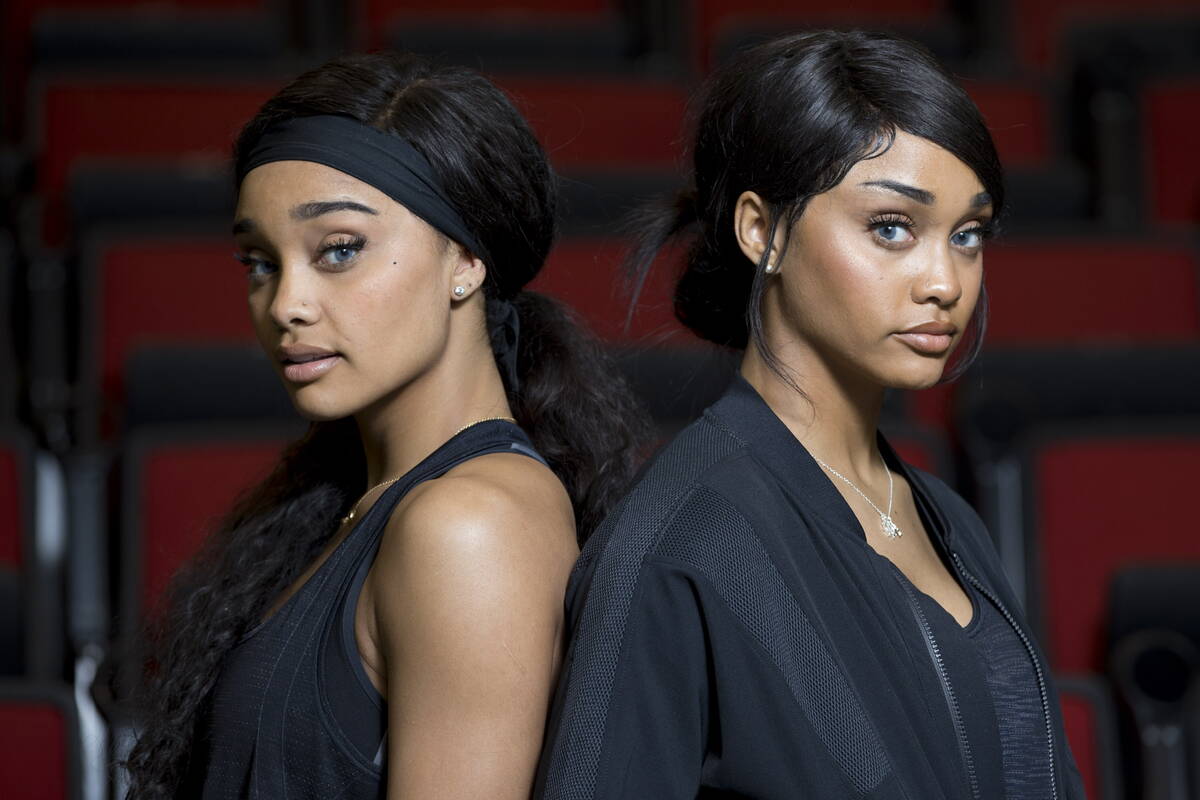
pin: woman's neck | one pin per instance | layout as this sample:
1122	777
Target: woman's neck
835	418
399	431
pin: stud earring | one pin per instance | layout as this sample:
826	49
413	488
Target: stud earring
459	291
769	268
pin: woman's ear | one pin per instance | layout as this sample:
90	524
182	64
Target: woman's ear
752	226
468	272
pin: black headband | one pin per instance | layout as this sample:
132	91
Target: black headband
383	160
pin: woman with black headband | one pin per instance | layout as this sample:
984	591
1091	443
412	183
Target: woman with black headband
781	608
382	615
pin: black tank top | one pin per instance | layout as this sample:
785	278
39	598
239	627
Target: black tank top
293	713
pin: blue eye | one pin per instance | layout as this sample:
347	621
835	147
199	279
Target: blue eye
339	254
970	239
256	268
892	230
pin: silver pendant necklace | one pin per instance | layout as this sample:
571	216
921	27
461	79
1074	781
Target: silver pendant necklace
890	529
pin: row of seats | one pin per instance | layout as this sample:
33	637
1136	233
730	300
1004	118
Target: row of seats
121	145
1031	32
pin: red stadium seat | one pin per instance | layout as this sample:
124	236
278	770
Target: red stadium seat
1040	23
603	122
39	742
380	16
178	484
1091	732
1057	292
586	274
1018	116
1101	501
16	497
186	118
1169	110
718	19
150	290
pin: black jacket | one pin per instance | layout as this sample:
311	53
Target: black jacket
734	635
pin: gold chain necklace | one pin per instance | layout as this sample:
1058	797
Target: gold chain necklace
354	509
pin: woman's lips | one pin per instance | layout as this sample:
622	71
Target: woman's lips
930	344
309	371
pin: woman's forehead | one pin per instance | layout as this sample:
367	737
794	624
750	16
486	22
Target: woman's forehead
912	161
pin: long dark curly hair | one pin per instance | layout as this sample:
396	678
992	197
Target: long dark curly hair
580	414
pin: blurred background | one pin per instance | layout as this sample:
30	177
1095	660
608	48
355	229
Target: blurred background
134	406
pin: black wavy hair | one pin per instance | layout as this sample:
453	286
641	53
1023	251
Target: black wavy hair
787	119
578	411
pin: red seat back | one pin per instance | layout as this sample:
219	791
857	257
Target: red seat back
1059	292
1169	110
716	18
154	291
1018	116
177	489
603	122
187	118
587	275
1099	504
1040	23
37	759
14	494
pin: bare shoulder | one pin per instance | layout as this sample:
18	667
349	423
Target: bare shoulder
501	500
463	619
500	524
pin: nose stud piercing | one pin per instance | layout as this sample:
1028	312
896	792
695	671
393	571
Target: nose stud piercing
459	291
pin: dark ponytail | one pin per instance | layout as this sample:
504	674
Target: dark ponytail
787	120
567	396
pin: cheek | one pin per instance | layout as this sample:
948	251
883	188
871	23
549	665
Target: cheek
839	278
971	281
395	307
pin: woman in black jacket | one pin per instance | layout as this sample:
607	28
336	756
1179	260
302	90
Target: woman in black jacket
782	608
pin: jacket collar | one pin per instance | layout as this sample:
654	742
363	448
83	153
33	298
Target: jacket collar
743	411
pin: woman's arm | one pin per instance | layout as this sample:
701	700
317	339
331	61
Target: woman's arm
466	600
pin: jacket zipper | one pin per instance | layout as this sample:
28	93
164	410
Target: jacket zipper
1037	667
935	655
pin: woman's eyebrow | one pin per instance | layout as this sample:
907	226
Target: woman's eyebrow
307	211
980	200
922	196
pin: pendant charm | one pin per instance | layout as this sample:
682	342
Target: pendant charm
890	529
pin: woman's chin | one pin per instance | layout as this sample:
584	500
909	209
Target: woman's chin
319	409
922	376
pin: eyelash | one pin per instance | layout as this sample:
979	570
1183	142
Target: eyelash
255	265
355	243
984	231
251	264
891	219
